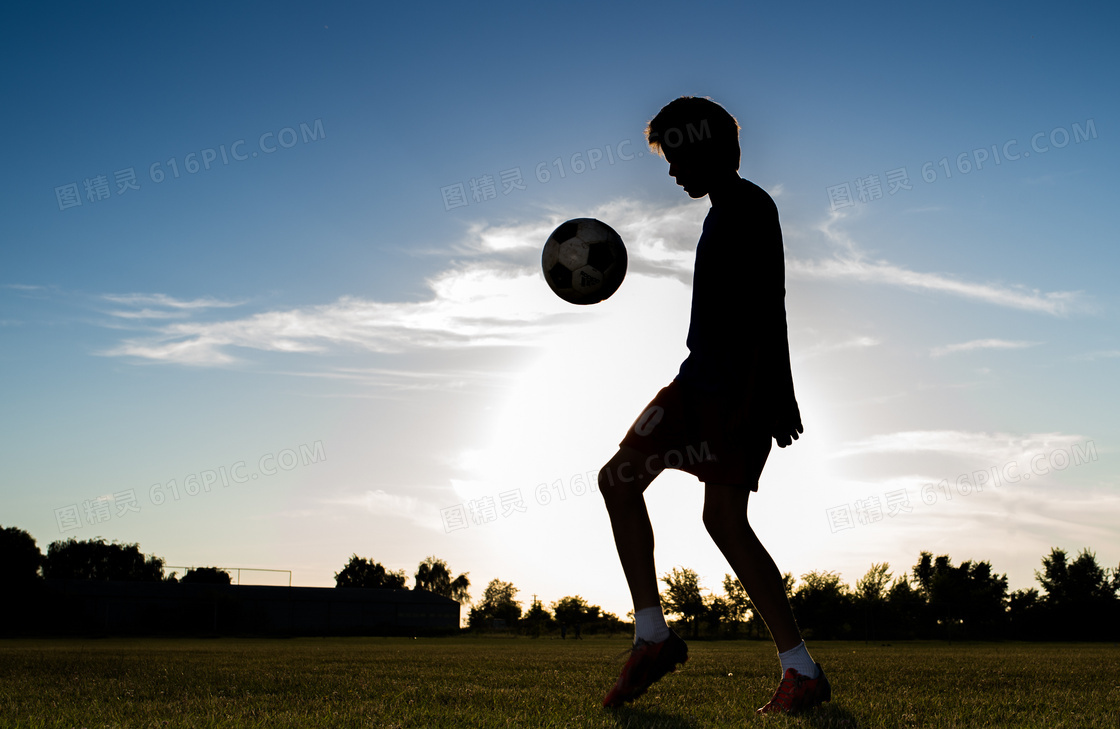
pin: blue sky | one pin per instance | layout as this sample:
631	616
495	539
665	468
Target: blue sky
310	302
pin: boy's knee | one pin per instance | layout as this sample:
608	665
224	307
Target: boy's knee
610	483
722	522
619	478
711	520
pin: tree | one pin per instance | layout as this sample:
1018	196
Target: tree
822	605
206	576
682	596
1024	615
870	597
968	600
20	558
433	575
1080	600
872	587
717	612
574	610
95	560
363	572
498	603
738	602
537	619
906	610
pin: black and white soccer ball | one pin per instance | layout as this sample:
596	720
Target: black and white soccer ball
584	261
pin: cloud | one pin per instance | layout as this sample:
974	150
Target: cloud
381	503
980	344
493	296
816	350
850	264
1056	303
1101	354
991	448
168	301
474	305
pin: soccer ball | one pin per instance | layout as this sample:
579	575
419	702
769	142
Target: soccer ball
584	261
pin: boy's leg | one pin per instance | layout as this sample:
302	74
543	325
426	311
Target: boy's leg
725	517
622	482
804	684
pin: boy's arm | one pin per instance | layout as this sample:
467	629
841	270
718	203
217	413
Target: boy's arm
786	424
785	417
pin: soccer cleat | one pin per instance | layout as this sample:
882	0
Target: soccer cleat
797	693
647	663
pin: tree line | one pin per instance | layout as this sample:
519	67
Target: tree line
1077	599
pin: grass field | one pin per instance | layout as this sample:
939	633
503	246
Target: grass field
502	682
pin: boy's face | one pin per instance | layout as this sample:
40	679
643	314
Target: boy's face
692	169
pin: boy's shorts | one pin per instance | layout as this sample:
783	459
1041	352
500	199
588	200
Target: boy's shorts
705	434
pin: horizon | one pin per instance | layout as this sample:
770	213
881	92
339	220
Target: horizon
271	289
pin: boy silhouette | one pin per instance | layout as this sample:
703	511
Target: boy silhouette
732	396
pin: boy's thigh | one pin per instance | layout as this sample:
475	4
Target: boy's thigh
708	436
628	468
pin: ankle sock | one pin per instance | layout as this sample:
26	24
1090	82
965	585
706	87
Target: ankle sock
798	658
649	624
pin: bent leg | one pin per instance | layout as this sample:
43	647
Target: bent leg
622	482
725	516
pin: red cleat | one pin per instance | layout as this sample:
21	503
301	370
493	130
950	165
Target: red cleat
797	693
647	663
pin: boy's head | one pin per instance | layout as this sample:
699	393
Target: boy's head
696	126
698	138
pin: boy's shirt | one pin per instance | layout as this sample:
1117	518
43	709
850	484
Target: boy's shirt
737	338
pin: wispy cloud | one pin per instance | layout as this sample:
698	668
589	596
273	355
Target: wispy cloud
169	302
816	350
992	448
476	305
381	503
980	344
1101	354
1056	303
492	296
22	287
850	263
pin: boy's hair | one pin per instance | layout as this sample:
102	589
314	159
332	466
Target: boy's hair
696	123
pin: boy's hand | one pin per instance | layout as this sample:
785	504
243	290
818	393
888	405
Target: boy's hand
787	425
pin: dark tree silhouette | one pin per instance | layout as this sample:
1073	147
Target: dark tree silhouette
94	559
823	606
907	611
717	613
682	596
206	576
20	558
575	611
434	575
498	603
871	600
1080	601
536	619
1026	618
363	572
736	598
968	600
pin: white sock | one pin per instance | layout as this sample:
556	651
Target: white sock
649	624
798	658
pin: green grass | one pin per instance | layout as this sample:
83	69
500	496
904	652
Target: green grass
495	682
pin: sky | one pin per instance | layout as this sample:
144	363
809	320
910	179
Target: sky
270	287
